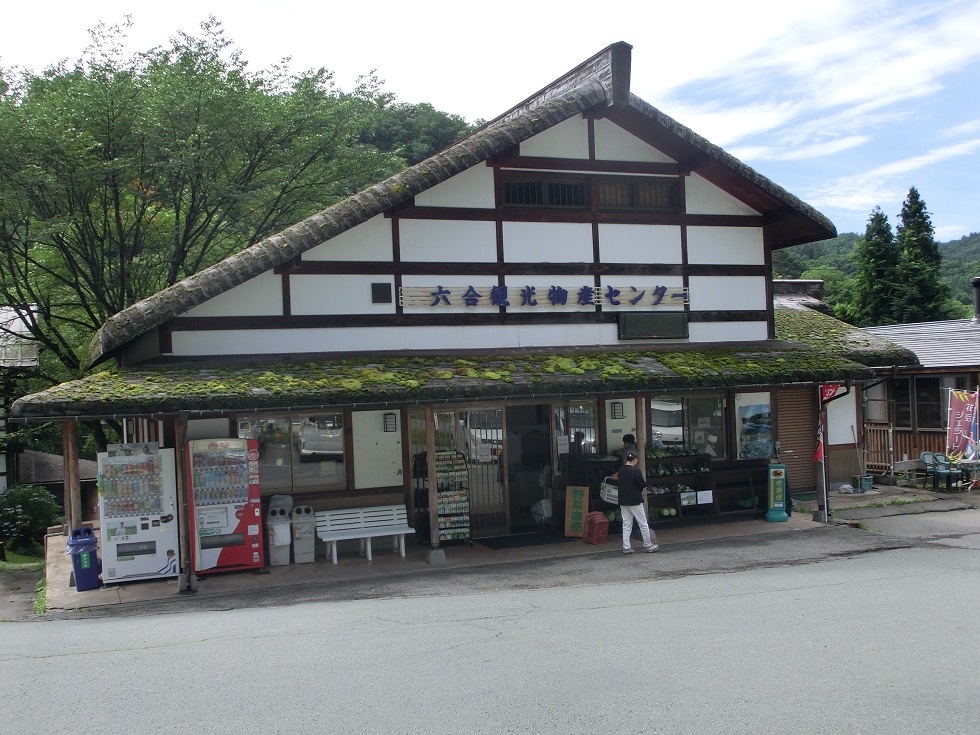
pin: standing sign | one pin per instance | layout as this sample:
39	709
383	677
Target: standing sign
961	426
576	507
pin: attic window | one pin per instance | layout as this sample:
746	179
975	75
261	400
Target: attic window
644	195
545	192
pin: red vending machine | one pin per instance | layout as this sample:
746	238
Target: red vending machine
224	505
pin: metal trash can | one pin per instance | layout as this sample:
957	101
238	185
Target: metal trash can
304	534
278	525
84	549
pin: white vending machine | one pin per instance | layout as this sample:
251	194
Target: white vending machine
138	511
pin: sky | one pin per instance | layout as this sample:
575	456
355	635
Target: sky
844	103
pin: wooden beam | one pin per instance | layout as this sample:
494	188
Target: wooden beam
430	453
72	482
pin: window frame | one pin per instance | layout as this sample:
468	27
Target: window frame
591	191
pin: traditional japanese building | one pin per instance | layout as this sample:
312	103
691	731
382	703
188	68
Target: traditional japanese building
581	268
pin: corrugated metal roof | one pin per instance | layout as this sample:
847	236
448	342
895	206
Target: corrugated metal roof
954	343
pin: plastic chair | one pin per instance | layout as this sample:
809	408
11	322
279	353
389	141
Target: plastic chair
944	468
929	463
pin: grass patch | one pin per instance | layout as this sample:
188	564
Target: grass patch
884	503
21	562
39	603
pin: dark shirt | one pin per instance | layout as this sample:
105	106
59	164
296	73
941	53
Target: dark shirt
631	484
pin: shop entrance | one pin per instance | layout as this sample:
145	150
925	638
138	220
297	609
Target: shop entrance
529	467
508	457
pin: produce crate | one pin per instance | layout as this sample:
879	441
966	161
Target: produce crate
596	528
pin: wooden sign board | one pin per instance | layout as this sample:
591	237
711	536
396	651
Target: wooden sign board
576	508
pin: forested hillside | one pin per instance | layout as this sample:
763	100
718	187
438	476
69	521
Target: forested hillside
833	261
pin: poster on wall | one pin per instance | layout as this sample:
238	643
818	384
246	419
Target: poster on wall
961	426
755	431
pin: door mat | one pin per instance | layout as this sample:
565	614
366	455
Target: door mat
519	540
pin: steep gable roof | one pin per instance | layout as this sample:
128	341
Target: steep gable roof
600	84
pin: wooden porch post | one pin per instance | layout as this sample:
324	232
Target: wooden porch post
187	579
72	483
639	406
430	453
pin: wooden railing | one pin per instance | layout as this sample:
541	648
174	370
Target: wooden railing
884	445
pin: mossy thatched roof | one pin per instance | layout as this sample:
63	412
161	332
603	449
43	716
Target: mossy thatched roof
379	380
810	327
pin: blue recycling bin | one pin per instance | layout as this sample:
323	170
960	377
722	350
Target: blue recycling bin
84	549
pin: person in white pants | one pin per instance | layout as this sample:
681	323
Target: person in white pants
631	485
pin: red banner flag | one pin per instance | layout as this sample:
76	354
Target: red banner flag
818	454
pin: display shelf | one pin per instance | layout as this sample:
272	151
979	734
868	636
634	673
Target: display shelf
453	504
682	486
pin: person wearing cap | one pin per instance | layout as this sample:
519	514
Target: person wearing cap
631	485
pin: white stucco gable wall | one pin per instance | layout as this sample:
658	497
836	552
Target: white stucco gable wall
612	143
704	197
261	296
470	188
568	139
370	240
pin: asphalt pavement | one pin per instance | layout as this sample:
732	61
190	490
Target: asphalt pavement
706	548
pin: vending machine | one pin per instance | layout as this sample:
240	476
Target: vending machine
138	511
224	508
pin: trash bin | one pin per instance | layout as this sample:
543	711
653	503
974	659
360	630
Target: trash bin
279	529
304	534
84	549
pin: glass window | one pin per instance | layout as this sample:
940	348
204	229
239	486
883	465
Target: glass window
667	422
876	404
706	424
318	450
695	423
928	404
902	396
298	453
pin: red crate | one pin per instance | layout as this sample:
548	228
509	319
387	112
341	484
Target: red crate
596	528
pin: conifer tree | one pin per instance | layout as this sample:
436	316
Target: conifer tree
877	260
921	294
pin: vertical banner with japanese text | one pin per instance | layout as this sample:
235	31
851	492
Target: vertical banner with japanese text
961	426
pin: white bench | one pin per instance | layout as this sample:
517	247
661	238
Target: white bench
365	524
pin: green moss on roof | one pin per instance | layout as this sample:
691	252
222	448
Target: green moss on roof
170	388
839	338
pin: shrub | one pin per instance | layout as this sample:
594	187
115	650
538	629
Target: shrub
26	511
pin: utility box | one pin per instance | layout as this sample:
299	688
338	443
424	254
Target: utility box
304	534
279	528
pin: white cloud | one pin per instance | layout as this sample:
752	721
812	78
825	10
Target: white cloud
799	153
864	190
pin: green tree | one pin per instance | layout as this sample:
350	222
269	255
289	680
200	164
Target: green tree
127	172
921	295
875	281
414	132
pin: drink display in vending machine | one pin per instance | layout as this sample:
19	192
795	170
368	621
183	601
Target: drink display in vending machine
138	512
225	510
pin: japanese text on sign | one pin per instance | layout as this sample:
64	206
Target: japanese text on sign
530	296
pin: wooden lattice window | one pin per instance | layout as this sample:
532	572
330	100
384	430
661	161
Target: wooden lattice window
646	195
